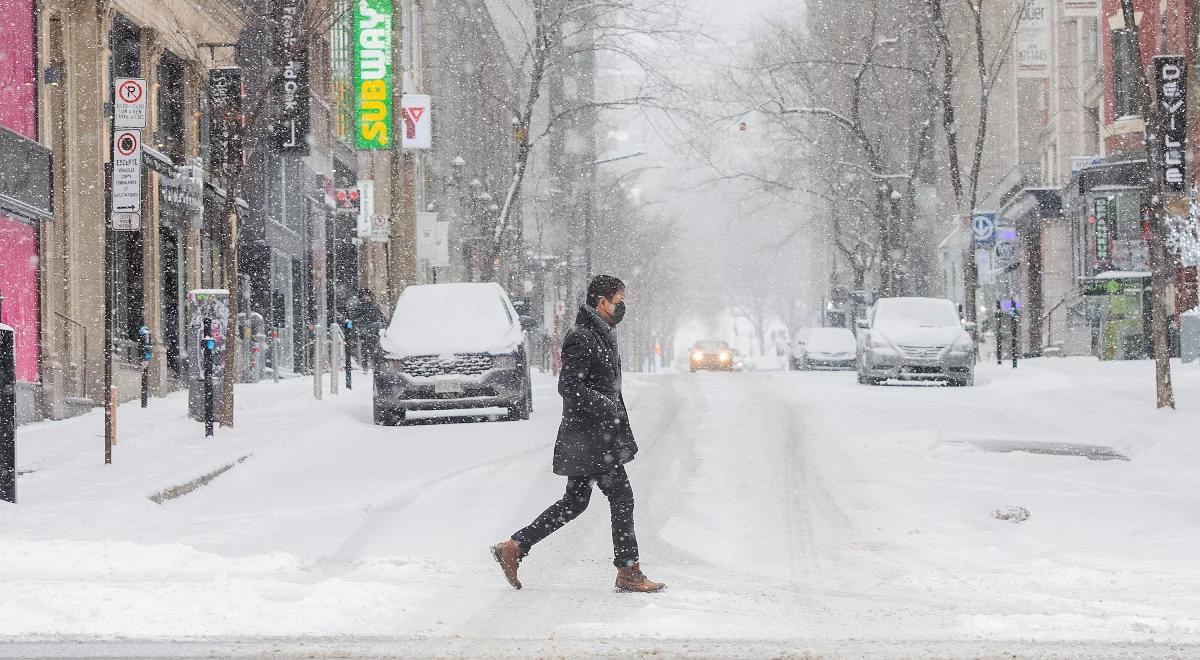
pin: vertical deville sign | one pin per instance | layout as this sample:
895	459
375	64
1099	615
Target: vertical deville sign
373	73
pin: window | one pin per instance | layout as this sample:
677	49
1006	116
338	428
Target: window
1093	129
1127	87
169	136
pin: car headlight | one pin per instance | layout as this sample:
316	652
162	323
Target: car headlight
724	357
962	346
698	356
506	361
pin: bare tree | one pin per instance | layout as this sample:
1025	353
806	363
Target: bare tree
554	32
985	69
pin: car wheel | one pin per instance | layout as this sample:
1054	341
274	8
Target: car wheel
388	416
520	411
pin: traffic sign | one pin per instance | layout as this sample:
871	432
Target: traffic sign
126	221
983	228
129	103
127	172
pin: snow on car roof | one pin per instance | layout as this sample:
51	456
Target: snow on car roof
443	319
915	311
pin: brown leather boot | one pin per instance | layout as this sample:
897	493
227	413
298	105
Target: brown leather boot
508	555
632	580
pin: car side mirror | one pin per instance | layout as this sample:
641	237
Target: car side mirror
528	323
862	324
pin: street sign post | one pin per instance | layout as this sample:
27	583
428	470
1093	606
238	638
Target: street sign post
129	103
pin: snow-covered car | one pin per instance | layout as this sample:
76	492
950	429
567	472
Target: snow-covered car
711	355
826	348
453	347
915	339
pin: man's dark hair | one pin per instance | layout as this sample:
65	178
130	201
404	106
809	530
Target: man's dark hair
603	286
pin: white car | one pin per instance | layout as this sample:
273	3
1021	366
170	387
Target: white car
453	347
826	348
915	339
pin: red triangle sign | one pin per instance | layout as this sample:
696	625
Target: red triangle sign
416	112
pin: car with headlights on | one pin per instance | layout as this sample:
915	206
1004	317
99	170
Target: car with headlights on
711	356
915	339
455	346
826	348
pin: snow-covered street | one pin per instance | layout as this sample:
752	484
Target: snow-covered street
789	512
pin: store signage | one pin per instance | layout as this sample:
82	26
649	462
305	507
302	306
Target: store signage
129	103
373	73
1103	230
1080	8
225	123
25	181
983	228
185	189
291	129
1170	74
418	122
1033	40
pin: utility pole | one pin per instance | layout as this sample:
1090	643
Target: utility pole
1159	260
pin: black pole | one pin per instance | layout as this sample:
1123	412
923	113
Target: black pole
110	414
1016	327
209	346
346	353
999	325
147	356
8	416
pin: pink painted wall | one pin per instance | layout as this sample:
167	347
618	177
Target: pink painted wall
18	241
17	63
19	284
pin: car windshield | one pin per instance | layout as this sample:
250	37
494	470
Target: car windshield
831	340
711	346
915	312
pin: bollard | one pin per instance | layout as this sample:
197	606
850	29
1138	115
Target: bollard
337	354
275	354
147	356
999	325
1016	325
8	414
349	365
210	345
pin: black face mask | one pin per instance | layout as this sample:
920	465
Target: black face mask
618	312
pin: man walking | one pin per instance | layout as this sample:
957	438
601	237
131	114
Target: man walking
594	442
366	320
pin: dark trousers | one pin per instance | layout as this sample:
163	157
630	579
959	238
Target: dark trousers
615	485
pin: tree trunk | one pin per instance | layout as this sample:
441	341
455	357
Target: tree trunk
1159	260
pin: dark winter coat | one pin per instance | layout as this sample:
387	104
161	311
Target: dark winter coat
594	436
368	319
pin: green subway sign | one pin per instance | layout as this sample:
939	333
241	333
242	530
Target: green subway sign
373	73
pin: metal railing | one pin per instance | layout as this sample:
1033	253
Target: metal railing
77	366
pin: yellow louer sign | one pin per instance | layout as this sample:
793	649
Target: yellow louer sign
373	73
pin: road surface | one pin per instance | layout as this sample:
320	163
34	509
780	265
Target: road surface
790	514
